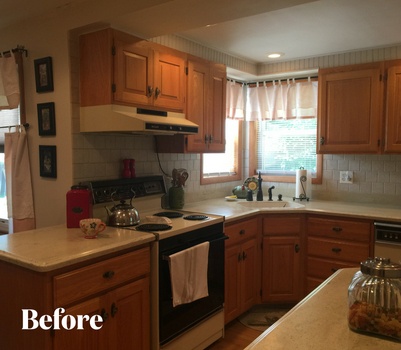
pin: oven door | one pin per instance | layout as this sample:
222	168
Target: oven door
176	320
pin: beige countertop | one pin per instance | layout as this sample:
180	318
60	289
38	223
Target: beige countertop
54	247
320	322
233	210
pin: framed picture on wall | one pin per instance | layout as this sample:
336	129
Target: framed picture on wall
44	74
46	119
48	161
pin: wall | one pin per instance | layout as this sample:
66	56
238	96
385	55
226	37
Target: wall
83	157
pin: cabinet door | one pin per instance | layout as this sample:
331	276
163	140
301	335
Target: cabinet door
232	283
133	70
197	91
393	117
350	110
249	274
217	115
281	280
169	81
88	338
129	311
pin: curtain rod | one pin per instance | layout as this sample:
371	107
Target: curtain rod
25	125
19	48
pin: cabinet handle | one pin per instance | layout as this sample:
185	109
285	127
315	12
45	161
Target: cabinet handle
239	257
297	248
210	138
337	229
336	250
104	315
150	91
114	309
108	274
157	92
322	140
242	232
244	256
206	139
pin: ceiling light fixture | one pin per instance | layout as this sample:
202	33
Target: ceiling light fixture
275	55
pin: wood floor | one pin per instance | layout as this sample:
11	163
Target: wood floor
237	337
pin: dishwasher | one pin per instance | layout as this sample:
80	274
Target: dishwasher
388	241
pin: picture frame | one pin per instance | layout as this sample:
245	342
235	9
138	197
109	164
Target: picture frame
44	74
48	161
46	119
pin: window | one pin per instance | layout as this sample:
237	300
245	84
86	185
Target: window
286	145
224	167
286	140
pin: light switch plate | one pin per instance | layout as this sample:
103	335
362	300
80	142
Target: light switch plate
346	177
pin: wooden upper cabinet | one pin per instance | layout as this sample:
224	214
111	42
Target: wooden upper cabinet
350	109
206	90
393	110
116	67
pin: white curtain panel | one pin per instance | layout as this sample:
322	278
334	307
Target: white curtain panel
234	100
18	181
281	101
9	83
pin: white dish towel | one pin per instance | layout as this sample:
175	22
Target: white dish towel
188	273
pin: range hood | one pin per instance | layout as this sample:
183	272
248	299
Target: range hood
125	119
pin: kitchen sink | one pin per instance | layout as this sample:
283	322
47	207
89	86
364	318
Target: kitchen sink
271	205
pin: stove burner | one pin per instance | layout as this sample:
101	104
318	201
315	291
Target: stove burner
153	227
170	214
196	217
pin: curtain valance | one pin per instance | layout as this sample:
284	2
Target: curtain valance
9	83
276	100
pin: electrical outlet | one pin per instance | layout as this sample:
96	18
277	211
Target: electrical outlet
346	177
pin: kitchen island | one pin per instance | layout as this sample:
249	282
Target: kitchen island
320	322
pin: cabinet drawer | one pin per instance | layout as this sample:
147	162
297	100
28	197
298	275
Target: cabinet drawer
91	279
241	231
340	229
339	251
281	225
322	269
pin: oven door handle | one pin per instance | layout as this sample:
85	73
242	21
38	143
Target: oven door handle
166	254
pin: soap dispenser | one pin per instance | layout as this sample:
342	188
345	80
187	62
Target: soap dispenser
259	195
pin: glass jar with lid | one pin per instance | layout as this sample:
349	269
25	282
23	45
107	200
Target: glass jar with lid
374	299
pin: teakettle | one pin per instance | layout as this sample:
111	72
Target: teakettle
123	214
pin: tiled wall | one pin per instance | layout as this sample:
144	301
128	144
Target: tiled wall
376	177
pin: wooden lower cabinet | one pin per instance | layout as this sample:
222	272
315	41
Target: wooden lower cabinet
115	287
242	268
334	243
282	273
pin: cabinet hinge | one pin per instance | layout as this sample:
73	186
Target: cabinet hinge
383	77
113	50
378	143
186	70
186	140
260	292
113	88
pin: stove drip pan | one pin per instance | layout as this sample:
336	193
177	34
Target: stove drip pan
196	217
170	214
153	227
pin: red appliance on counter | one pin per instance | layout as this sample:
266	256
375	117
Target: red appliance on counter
79	205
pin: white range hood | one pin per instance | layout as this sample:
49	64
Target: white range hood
125	119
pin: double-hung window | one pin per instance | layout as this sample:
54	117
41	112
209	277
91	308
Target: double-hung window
284	130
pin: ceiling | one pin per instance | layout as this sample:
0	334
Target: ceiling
247	29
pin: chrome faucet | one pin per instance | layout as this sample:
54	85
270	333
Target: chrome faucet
270	193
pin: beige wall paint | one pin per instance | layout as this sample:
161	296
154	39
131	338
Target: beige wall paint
84	157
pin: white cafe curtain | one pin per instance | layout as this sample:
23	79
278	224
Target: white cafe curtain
18	181
9	83
281	100
234	100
